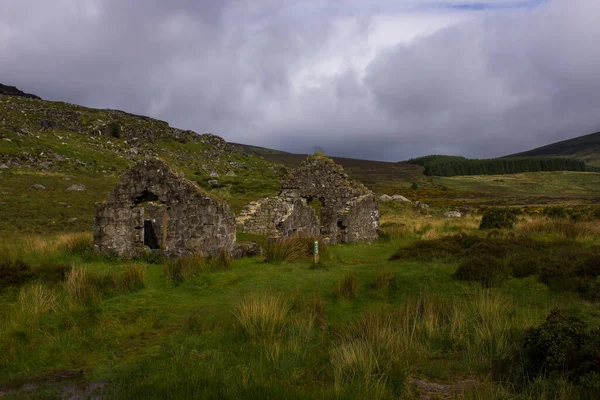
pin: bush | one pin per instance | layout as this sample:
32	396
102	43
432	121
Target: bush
487	270
17	273
414	186
562	346
522	266
499	218
115	130
556	212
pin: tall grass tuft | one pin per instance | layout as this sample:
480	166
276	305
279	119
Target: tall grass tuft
34	300
80	288
184	266
134	277
348	287
560	228
262	315
384	279
76	244
221	260
286	249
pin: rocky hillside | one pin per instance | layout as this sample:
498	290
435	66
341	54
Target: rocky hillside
13	91
46	147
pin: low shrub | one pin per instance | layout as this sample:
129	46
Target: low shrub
499	218
562	346
17	273
522	266
556	212
428	250
485	269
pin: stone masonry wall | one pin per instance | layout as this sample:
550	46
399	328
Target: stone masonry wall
277	216
152	207
349	213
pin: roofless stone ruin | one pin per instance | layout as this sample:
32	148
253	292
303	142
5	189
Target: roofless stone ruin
154	208
349	211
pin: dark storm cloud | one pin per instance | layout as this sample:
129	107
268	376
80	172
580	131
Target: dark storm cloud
294	74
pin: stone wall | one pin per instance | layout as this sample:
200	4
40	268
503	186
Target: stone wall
278	216
349	212
152	208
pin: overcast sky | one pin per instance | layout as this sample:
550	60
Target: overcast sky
377	79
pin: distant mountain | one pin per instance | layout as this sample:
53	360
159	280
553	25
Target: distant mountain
586	148
13	91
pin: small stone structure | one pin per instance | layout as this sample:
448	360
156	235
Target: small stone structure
154	208
349	211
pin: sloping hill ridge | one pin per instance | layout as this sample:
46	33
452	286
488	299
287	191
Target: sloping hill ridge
585	147
377	175
47	147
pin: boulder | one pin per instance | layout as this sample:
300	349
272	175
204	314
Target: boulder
246	249
400	198
452	214
423	206
38	186
385	197
76	188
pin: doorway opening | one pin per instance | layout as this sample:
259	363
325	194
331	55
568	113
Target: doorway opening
150	238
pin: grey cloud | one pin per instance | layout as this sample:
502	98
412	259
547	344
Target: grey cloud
486	87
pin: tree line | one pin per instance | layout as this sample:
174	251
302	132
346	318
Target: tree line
437	165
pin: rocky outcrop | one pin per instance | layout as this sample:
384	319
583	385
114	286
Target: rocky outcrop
13	91
349	212
153	208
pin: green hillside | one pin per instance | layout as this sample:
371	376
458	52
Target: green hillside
380	176
57	145
585	147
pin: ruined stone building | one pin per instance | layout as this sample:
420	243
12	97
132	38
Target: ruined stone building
154	208
349	211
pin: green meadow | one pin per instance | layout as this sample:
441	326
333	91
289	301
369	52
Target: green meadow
363	323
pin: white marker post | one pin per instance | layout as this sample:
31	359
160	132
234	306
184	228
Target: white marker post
316	252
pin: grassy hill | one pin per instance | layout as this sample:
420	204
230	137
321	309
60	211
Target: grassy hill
433	308
585	147
56	145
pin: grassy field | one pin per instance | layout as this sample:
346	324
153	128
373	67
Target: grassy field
358	326
434	301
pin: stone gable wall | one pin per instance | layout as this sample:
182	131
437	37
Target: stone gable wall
350	212
151	197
